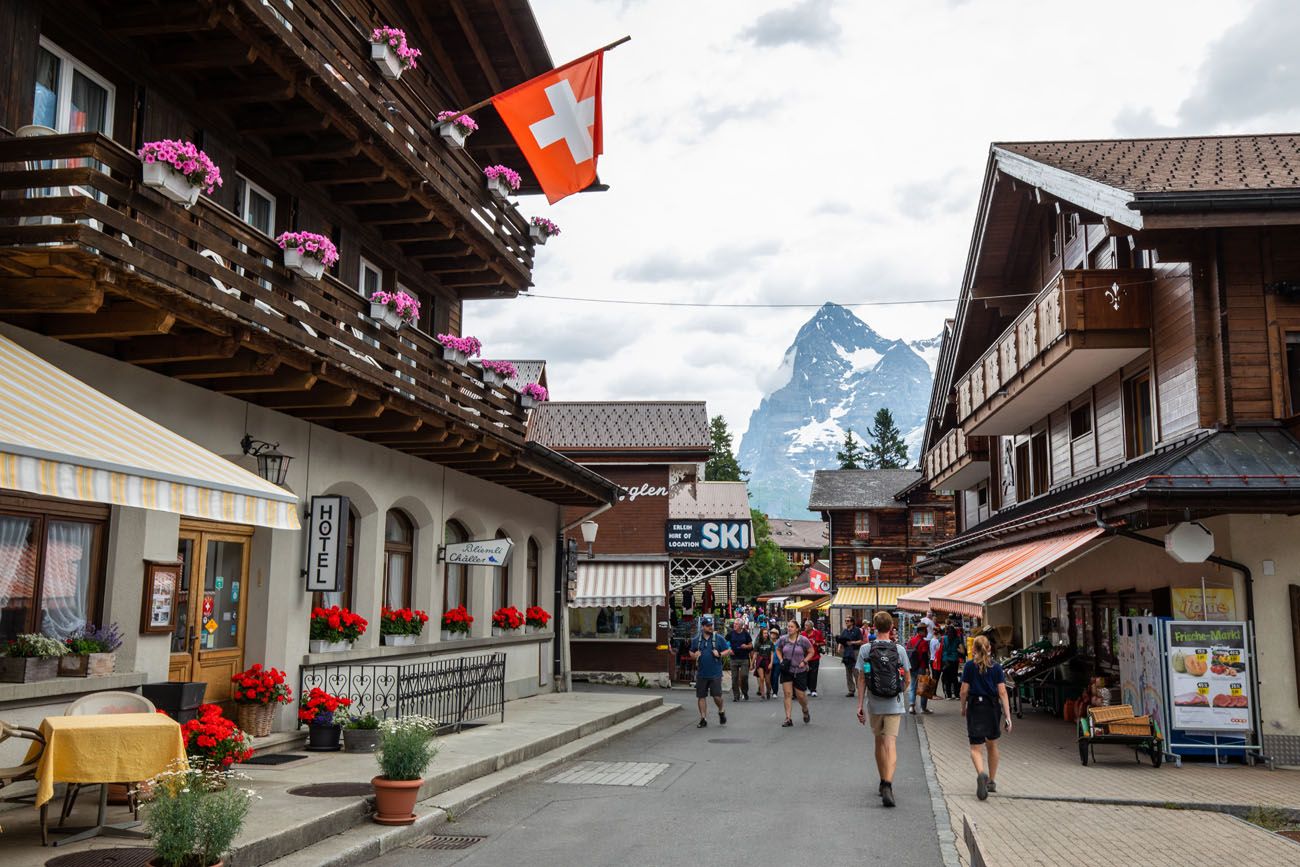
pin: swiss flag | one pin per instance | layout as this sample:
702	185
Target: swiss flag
818	581
555	119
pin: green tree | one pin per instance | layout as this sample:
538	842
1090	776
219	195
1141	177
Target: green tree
766	569
722	465
887	451
851	457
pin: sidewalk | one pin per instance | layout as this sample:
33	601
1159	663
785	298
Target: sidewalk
282	824
1171	815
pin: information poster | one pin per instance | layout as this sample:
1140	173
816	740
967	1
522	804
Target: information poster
1209	684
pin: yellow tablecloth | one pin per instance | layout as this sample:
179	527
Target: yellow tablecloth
105	748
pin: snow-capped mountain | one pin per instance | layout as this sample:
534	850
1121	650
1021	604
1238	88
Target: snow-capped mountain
834	376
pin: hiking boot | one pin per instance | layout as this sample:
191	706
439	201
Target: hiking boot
993	787
722	718
982	787
703	723
807	717
887	794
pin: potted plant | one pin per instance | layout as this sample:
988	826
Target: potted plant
532	394
401	626
459	349
307	253
502	180
178	170
193	817
31	657
394	309
361	734
497	372
334	629
506	621
319	710
536	618
214	742
92	652
540	229
405	750
257	691
390	52
456	624
455	127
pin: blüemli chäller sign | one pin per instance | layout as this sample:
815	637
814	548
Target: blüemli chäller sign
489	552
327	540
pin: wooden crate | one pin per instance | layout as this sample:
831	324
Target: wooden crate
1102	715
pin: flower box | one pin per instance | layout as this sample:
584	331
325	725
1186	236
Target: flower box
171	183
87	664
498	186
530	629
538	235
540	229
455	356
387	315
389	51
532	395
452	134
399	640
448	635
491	377
390	65
528	402
498	631
360	740
328	646
28	669
307	266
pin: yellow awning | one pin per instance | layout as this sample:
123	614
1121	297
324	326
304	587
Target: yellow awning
885	596
800	605
824	604
61	438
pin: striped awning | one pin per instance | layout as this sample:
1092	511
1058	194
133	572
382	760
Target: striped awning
824	604
601	584
61	438
868	597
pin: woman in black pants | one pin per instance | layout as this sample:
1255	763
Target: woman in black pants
953	653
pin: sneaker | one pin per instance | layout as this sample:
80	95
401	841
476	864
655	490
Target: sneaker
807	717
927	710
982	787
746	698
702	724
887	794
813	693
911	710
722	718
787	724
993	787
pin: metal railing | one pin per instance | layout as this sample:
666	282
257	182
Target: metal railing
455	692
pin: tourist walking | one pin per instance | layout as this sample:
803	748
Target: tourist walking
792	652
850	640
742	643
763	647
708	649
987	709
816	639
953	654
920	652
882	682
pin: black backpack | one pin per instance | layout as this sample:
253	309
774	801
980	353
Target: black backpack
884	672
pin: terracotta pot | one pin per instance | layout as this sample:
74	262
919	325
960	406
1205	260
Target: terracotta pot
395	800
255	718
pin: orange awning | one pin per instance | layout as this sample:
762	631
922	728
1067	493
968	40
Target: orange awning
992	575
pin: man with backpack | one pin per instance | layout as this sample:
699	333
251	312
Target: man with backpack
883	675
708	649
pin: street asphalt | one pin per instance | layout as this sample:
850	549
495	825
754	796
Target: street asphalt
748	793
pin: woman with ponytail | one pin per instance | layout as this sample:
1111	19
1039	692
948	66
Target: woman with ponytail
984	703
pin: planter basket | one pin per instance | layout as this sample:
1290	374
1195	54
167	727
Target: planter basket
328	646
23	669
307	266
498	186
360	740
255	718
399	640
390	65
387	315
453	135
538	234
455	356
87	665
171	183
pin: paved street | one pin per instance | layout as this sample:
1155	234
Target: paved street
751	792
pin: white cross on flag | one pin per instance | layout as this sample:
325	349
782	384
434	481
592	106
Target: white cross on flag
555	120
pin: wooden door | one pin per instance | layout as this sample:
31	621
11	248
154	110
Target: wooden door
208	642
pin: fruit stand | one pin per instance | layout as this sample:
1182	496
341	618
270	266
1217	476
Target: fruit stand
1032	676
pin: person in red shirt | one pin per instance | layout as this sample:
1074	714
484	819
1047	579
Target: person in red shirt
816	639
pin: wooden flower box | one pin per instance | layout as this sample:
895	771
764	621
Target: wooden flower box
28	669
87	664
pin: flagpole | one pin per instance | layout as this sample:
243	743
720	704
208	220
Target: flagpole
486	102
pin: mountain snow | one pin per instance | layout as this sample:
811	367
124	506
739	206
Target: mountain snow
833	377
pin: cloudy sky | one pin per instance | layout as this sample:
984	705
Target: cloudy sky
783	152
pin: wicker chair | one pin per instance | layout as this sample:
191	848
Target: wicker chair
25	771
97	703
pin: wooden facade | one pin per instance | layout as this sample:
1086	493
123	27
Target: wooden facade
899	535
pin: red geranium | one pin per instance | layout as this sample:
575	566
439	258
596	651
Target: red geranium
214	741
507	618
402	621
319	707
537	616
336	624
457	620
261	686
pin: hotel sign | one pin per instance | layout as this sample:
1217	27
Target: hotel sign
327	540
709	537
489	552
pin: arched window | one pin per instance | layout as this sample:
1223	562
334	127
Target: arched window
343	598
399	540
501	581
455	576
534	573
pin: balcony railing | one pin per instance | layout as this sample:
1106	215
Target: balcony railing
1104	310
956	461
79	235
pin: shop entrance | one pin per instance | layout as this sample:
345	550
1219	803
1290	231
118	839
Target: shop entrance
208	642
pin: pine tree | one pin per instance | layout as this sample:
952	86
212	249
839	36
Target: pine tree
722	465
767	568
887	451
851	457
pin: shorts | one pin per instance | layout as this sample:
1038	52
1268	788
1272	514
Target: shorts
885	724
798	678
762	663
708	686
983	720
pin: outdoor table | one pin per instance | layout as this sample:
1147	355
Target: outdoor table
105	748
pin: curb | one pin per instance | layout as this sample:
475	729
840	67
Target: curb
1238	811
942	819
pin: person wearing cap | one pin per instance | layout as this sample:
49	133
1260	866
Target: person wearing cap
708	649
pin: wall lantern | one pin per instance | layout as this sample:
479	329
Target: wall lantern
272	464
589	529
875	565
1189	542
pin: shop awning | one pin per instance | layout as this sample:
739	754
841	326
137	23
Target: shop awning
800	605
776	600
601	584
61	438
993	576
823	605
867	597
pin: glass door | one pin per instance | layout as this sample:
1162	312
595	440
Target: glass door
208	642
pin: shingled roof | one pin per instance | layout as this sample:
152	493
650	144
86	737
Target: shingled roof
799	535
858	489
621	425
528	371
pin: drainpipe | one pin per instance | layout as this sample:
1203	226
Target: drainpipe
559	675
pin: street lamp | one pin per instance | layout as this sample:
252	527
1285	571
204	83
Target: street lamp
272	464
875	568
589	529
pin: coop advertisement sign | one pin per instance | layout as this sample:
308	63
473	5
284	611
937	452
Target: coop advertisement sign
1209	681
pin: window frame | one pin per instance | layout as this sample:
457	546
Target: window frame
1291	339
862	566
918	524
534	572
349	567
575	616
1083	411
398	548
1135	443
362	265
463	532
248	185
1041	465
862	523
1023	463
63	98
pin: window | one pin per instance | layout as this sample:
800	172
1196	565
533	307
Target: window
1054	237
1038	453
862	567
1293	369
257	209
370	280
427	323
862	523
69	97
343	598
455	576
501	586
626	622
534	573
51	571
982	496
1080	421
399	540
923	520
1024	482
1137	415
1071	227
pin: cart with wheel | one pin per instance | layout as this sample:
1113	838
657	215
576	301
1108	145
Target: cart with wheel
1117	725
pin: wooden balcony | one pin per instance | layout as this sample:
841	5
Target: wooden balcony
957	461
1080	329
90	256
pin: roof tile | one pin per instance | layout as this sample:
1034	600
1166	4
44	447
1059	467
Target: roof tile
621	425
858	489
